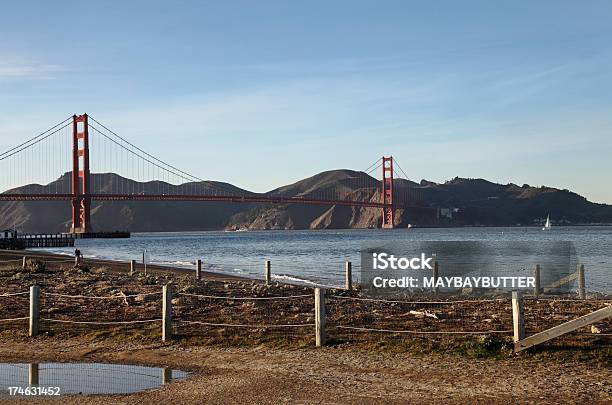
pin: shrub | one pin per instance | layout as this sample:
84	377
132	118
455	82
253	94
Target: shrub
484	346
35	266
148	280
82	268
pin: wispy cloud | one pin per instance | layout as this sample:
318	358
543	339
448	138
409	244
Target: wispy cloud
21	70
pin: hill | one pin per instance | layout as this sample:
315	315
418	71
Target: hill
135	216
458	202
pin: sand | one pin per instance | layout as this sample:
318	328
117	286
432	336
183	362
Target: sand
328	375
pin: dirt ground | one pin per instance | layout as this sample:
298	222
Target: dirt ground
268	365
486	315
328	375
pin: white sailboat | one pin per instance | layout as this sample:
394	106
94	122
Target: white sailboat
547	225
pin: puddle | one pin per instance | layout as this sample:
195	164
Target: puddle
81	378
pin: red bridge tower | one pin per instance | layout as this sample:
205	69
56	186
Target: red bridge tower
387	192
81	199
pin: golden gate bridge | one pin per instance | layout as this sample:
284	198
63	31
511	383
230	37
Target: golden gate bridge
81	149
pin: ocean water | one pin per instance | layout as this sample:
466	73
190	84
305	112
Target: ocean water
318	256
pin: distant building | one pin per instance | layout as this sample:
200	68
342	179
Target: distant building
445	213
8	234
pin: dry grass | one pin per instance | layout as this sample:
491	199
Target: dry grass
481	317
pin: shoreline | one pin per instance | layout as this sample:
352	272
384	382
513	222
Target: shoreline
123	267
225	230
117	266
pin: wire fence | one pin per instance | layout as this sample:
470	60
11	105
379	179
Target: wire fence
249	311
220	318
361	320
235	318
194	314
14	307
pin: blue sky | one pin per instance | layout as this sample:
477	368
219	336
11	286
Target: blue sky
261	94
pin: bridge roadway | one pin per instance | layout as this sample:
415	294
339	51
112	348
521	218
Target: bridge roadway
167	197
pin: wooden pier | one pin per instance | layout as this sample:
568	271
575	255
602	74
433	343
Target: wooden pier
43	240
101	235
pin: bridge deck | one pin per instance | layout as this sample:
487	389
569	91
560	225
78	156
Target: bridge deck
220	198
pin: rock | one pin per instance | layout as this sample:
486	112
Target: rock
145	298
189	289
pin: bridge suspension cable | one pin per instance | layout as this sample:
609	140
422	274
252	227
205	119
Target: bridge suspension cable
117	155
406	192
93	162
373	167
158	162
42	159
377	162
30	141
396	163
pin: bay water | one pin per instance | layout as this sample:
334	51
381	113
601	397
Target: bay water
318	256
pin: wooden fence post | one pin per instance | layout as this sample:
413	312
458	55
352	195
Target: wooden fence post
198	269
166	313
348	276
144	261
33	374
518	319
132	267
536	275
34	310
319	316
23	264
581	282
166	375
435	272
268	271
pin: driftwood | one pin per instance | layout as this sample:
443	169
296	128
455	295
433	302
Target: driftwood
598	328
422	314
125	298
